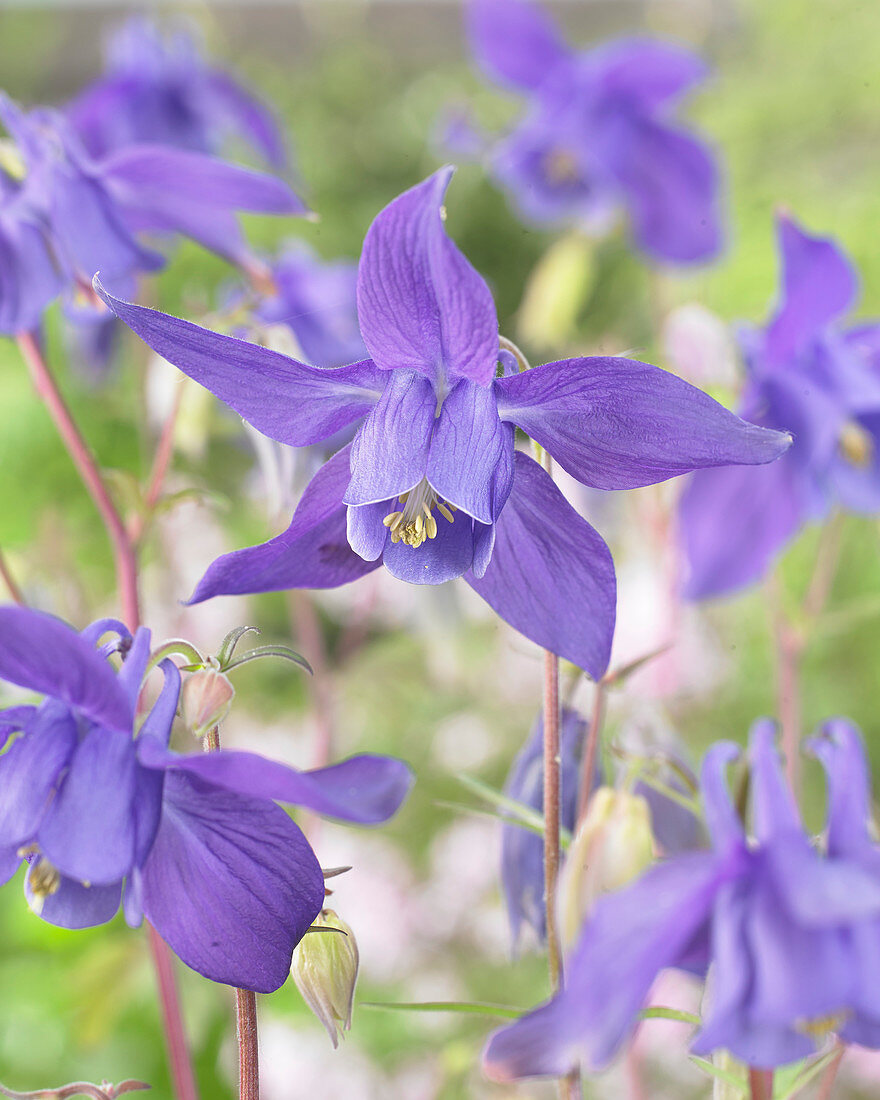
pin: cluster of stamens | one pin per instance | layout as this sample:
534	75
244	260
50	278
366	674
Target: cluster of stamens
856	445
820	1026
415	522
43	878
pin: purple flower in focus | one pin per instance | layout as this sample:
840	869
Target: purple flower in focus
97	804
773	918
158	89
808	375
522	851
90	213
598	132
317	300
432	487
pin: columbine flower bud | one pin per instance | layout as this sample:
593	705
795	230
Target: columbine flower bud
325	967
205	700
613	845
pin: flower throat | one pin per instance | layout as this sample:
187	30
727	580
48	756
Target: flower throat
415	522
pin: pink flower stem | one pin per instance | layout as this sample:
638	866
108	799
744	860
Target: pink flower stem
159	470
125	554
760	1084
826	1088
78	449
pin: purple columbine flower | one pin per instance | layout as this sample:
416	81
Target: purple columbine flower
158	88
432	486
99	806
92	211
522	851
821	381
317	300
771	916
598	133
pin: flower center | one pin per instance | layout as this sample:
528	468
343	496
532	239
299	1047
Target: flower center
561	167
819	1026
43	880
856	445
415	522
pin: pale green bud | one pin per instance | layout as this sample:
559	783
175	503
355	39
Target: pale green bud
205	700
612	846
325	969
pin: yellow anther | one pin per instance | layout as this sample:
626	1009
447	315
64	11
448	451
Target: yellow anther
416	523
445	512
820	1026
856	445
43	881
392	520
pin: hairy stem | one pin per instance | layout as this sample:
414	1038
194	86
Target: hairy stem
179	1060
78	449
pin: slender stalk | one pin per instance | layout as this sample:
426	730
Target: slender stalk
826	1088
15	593
789	650
159	470
125	554
760	1084
248	1046
179	1060
591	751
552	813
245	1006
78	449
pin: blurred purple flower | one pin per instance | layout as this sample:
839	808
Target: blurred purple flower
821	382
95	802
317	300
158	89
437	439
522	851
772	916
598	132
89	213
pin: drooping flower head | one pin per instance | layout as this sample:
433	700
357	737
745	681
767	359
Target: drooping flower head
432	486
104	812
158	88
66	216
810	375
773	919
598	132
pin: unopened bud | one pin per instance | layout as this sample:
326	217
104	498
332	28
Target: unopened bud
613	845
205	700
325	968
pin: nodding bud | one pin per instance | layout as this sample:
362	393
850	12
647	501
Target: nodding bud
205	700
325	969
611	847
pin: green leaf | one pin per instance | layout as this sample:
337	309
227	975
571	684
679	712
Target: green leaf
719	1074
523	814
659	1012
475	1008
177	646
227	646
496	815
282	651
803	1074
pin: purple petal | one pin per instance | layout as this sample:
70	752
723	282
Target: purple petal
619	424
366	532
774	809
471	459
670	183
437	560
421	305
735	521
646	72
29	279
75	905
10	861
156	732
842	754
15	720
818	285
312	553
631	936
89	828
230	884
551	576
134	667
44	654
722	820
251	118
514	41
29	771
365	789
285	400
389	454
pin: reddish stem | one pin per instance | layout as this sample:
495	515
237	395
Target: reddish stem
760	1083
179	1059
552	813
830	1076
248	1046
159	470
78	449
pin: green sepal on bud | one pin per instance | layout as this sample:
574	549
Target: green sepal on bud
325	969
611	847
205	700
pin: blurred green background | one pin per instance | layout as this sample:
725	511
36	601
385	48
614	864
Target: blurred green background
793	111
